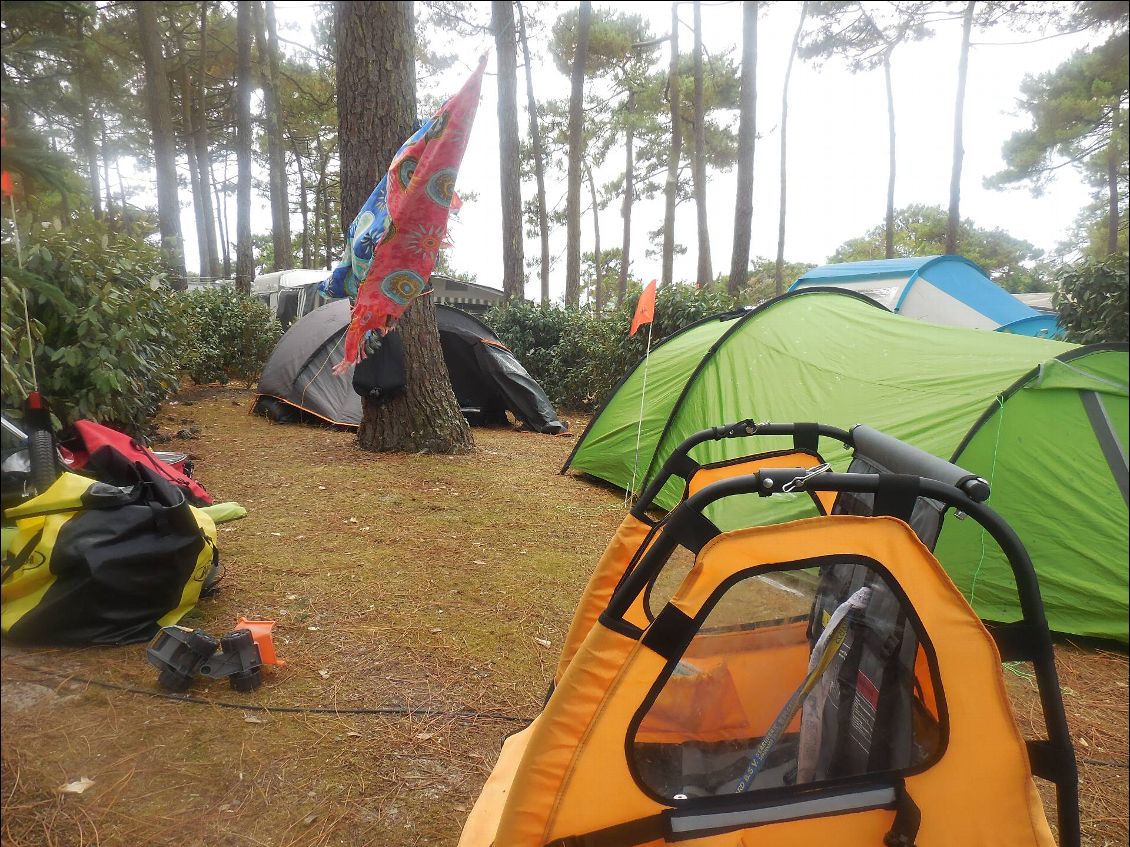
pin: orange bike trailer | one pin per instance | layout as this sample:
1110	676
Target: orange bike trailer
818	681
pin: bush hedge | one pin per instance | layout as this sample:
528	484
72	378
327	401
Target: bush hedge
110	340
102	328
226	335
580	357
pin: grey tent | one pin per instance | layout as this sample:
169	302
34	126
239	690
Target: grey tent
488	380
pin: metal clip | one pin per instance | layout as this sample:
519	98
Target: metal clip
798	482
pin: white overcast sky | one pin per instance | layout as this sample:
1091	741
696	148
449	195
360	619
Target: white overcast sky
837	145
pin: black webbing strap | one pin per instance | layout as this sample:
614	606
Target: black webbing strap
684	466
14	563
896	495
908	818
669	632
692	530
1045	760
1016	642
627	834
806	436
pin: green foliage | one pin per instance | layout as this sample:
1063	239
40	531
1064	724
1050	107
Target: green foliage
102	330
1079	117
227	335
578	357
921	231
1092	300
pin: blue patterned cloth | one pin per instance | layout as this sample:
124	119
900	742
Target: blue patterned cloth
365	233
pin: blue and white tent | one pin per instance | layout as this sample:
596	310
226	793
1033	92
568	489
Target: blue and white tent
941	289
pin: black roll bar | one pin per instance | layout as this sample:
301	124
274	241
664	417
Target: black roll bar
1053	759
894	455
679	462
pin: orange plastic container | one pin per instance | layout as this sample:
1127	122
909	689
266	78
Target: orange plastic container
261	631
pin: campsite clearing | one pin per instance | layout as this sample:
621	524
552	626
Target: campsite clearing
419	582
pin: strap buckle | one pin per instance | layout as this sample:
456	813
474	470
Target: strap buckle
800	481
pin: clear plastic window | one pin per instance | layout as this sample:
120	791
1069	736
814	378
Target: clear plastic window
796	677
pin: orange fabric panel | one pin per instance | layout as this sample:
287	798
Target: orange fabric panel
574	777
710	474
609	570
482	823
732	687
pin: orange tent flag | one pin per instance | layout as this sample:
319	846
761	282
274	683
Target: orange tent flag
645	309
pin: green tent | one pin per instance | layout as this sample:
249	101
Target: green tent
1044	421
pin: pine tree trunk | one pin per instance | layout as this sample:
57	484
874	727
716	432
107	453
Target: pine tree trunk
953	223
629	196
84	132
705	272
747	136
203	154
376	85
576	156
779	270
222	219
276	158
104	154
539	159
244	259
597	258
195	182
674	156
513	258
157	96
890	226
1112	162
303	203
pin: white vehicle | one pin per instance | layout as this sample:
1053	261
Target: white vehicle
290	294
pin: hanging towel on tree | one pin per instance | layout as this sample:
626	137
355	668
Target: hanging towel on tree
412	202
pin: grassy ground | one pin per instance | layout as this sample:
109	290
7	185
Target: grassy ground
420	581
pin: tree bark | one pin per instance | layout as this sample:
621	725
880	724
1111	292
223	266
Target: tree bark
629	196
674	156
244	259
779	270
1112	163
105	156
576	155
303	203
954	221
598	264
747	136
164	143
376	85
203	154
222	219
513	258
84	135
539	159
890	225
195	182
276	158
705	274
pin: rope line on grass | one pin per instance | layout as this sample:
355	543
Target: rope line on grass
405	711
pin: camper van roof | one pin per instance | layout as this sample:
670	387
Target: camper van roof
266	283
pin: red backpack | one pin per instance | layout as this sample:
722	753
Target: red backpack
110	456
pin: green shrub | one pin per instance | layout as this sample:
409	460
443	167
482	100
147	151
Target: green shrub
580	357
1092	300
102	331
227	335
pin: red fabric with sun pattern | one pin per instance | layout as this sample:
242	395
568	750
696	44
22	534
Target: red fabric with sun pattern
421	194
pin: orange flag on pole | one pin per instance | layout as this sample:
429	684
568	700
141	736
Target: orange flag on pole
645	309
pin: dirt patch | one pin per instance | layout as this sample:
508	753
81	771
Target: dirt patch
428	582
